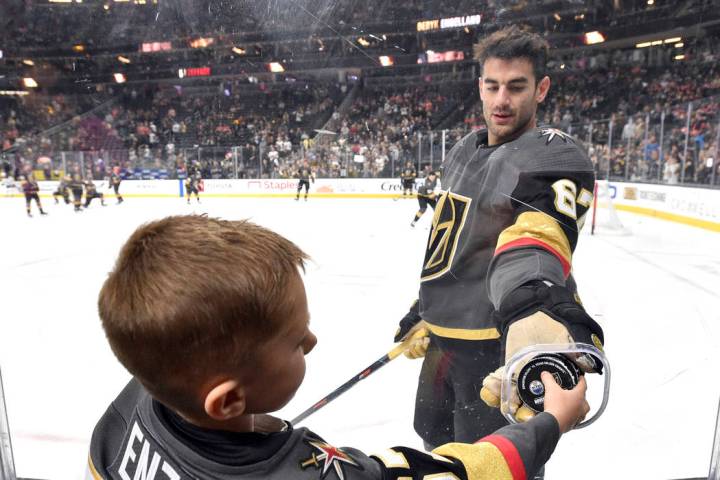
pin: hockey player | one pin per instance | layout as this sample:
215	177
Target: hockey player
114	181
63	190
76	186
407	179
426	196
212	358
192	185
497	270
92	193
305	175
31	188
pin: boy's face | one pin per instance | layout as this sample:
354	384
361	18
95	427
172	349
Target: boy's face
280	368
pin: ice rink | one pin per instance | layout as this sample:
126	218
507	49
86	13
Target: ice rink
656	293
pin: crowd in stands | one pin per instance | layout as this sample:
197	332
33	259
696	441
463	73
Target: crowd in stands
266	130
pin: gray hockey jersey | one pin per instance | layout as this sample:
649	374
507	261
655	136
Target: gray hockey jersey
508	214
132	442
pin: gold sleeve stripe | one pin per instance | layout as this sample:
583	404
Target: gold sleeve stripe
537	229
464	333
482	460
91	469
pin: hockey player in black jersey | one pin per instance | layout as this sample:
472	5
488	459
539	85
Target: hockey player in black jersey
497	270
91	193
407	179
426	196
305	176
63	190
114	181
192	185
220	342
31	189
76	186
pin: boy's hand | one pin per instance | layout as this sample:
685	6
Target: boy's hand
569	407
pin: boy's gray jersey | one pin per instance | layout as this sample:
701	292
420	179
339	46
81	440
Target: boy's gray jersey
131	442
131	439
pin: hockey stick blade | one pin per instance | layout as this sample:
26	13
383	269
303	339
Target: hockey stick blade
374	367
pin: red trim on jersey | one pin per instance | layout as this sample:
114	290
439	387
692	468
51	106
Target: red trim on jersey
534	242
511	454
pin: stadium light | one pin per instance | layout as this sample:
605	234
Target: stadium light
30	82
592	38
119	78
276	67
202	42
122	59
387	61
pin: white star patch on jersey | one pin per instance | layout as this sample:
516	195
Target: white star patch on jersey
551	133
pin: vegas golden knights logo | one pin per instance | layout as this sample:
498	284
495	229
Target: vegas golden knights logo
448	222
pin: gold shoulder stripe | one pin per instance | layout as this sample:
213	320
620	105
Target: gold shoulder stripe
481	460
464	333
537	227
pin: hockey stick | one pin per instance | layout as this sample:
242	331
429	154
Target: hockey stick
380	362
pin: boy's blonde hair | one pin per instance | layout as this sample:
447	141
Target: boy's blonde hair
191	297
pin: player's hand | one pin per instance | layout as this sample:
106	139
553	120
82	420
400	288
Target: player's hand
555	318
412	327
569	407
418	340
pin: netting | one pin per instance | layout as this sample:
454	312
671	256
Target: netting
605	220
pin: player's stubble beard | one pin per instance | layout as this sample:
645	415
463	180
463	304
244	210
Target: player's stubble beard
523	120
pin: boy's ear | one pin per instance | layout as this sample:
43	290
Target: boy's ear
225	400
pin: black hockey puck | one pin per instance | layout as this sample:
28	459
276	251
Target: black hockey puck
530	387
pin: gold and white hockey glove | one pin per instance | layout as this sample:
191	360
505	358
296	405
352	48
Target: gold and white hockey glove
537	313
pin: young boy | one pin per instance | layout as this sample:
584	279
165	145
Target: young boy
211	358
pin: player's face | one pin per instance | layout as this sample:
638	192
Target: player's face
281	361
510	95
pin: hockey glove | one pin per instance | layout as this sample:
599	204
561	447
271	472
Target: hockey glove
412	326
537	313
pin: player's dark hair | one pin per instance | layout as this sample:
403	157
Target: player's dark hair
514	42
192	298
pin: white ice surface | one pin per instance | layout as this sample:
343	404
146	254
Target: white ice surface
656	293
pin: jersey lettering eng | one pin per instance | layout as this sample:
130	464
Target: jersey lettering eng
524	200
